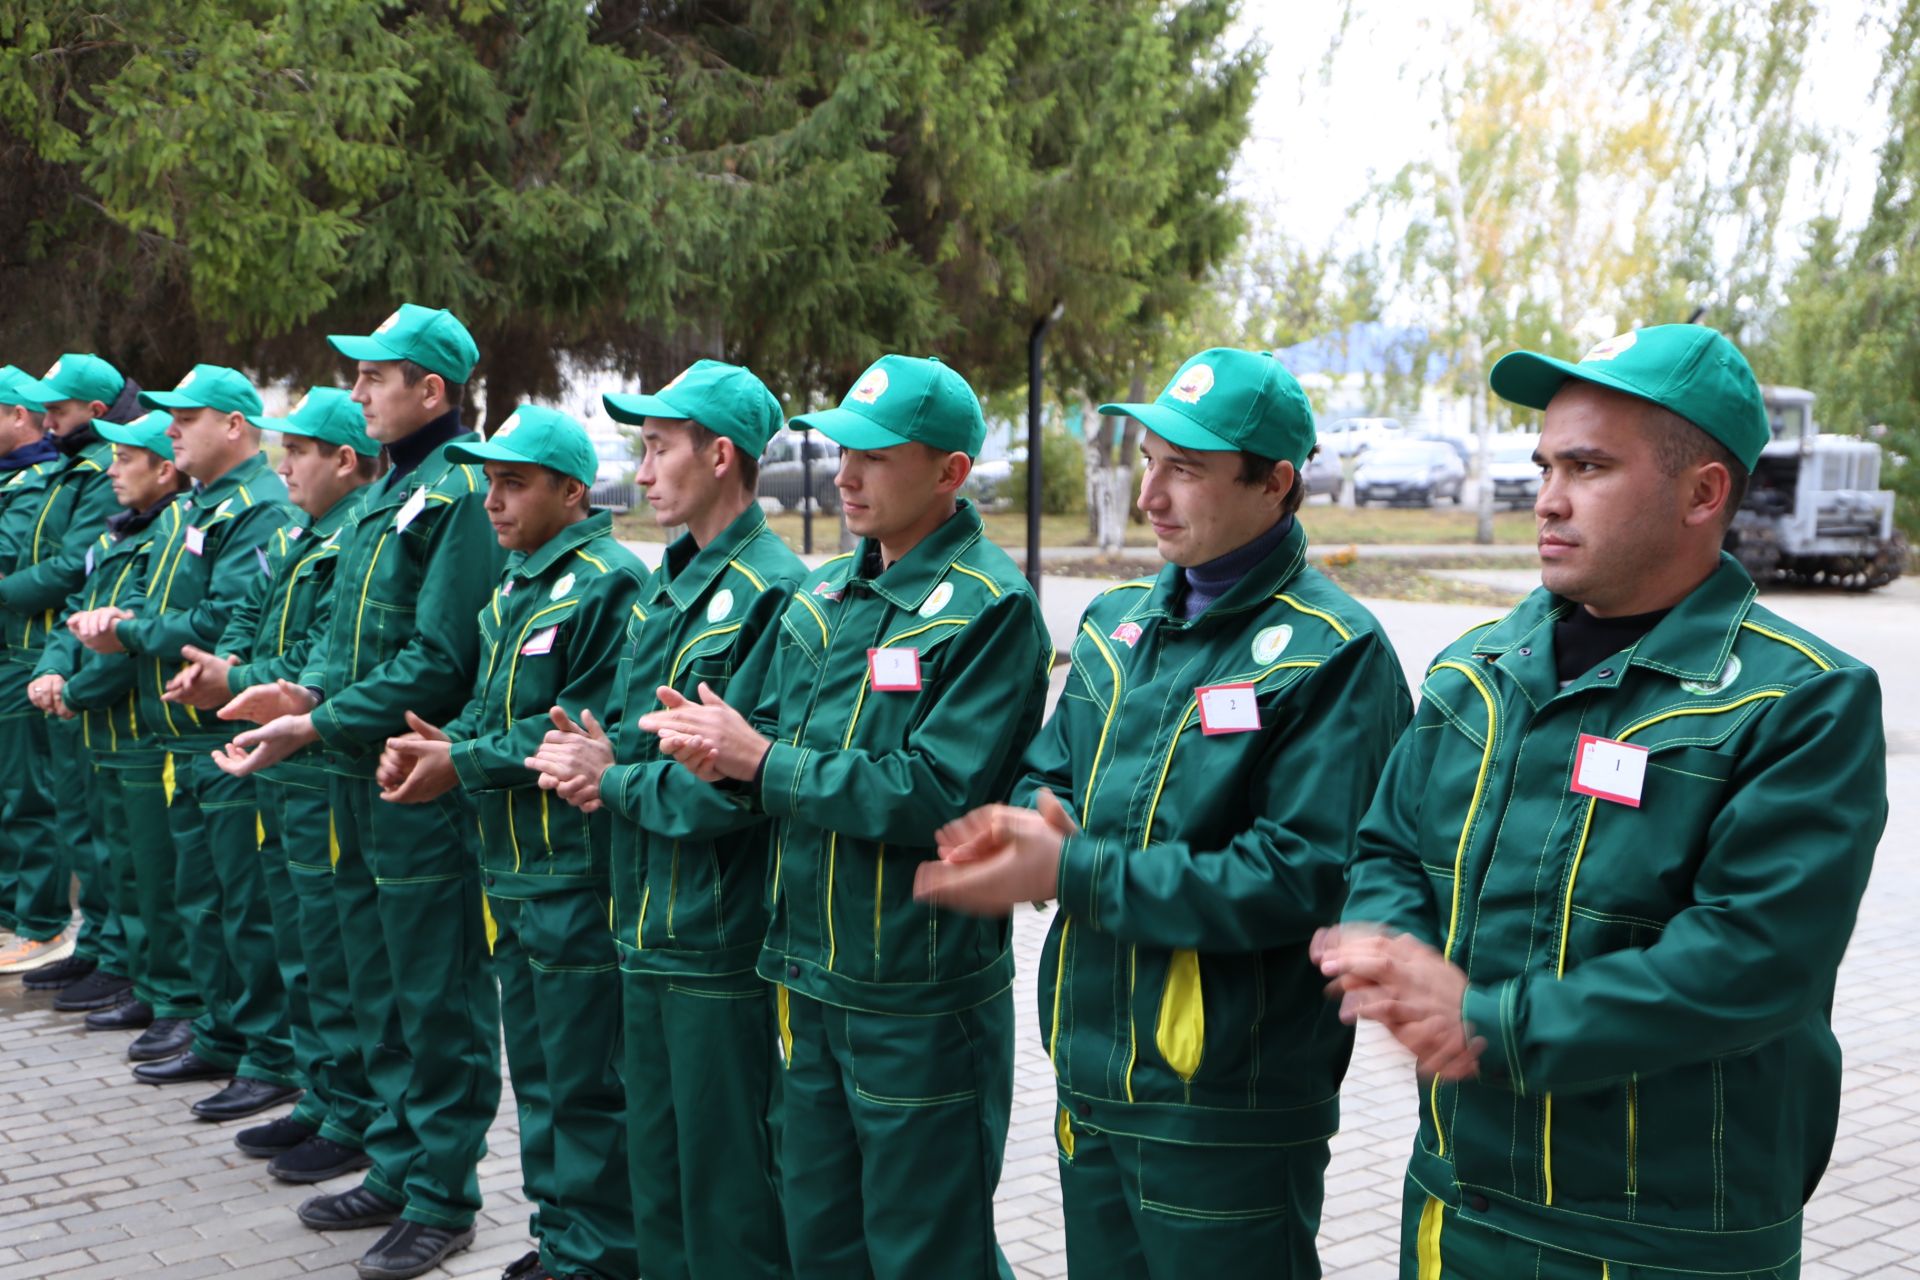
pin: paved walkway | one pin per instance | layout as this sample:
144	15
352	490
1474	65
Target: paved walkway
104	1178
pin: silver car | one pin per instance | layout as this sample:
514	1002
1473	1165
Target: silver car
1415	472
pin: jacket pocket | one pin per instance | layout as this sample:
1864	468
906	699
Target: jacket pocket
1180	1030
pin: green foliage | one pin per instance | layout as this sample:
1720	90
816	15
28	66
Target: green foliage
1062	475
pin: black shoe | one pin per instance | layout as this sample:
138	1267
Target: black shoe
182	1069
61	973
264	1141
526	1267
244	1098
98	990
410	1249
356	1207
166	1038
128	1015
316	1160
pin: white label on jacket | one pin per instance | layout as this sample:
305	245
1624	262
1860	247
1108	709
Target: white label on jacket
416	503
561	587
939	600
266	565
720	606
196	539
89	562
894	670
1615	771
1271	643
541	642
1227	708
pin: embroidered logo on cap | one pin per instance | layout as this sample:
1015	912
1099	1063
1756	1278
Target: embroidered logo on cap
1611	347
1195	381
187	381
678	378
388	323
871	387
506	428
53	371
303	402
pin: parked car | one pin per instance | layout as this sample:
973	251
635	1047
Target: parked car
1350	436
1515	475
613	486
1417	472
780	470
1324	474
987	484
1464	447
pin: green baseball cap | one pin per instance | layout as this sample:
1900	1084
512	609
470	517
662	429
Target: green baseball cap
432	339
149	432
329	415
1225	399
209	386
545	437
726	399
902	398
1687	368
17	388
77	376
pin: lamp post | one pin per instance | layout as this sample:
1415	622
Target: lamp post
1035	341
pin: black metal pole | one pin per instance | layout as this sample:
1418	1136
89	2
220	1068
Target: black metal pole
1035	340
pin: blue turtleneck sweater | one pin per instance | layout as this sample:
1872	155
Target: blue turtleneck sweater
1208	582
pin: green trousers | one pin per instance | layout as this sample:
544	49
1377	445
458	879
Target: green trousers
893	1131
217	843
35	865
1436	1243
76	805
1138	1209
407	886
703	1078
559	984
136	788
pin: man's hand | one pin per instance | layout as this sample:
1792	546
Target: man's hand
265	702
709	737
997	857
94	628
417	767
271	743
46	694
202	682
1406	986
572	758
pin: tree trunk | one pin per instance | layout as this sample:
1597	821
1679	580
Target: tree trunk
1110	444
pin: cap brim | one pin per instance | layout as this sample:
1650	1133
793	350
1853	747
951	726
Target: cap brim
358	347
168	400
1531	380
1174	427
40	393
637	408
491	451
849	430
114	433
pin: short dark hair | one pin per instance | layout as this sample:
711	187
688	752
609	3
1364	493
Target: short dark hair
412	374
1256	470
1679	443
749	465
369	466
558	480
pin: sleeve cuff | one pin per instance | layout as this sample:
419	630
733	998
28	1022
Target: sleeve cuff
1488	1013
1082	858
780	778
466	763
128	634
240	676
333	735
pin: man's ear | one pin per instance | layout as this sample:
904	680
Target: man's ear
954	470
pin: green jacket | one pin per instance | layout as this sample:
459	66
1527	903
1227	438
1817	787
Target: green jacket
551	636
44	537
1176	997
1661	1084
690	860
195	579
272	630
858	779
414	571
100	686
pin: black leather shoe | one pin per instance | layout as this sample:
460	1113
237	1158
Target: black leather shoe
98	990
410	1249
316	1160
186	1067
355	1207
128	1015
264	1141
61	973
244	1098
526	1267
166	1038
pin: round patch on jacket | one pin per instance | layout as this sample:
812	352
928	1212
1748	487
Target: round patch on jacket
1270	642
720	606
942	594
561	587
1707	688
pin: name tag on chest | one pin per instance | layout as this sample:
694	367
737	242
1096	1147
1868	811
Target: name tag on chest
1227	708
541	642
1609	770
416	503
196	539
894	670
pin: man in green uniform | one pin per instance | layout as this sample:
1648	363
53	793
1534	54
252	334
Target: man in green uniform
195	579
128	784
414	570
26	811
77	392
907	677
689	862
327	462
1196	790
1606	883
550	637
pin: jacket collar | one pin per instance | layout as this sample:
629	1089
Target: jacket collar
249	472
576	535
908	582
688	569
342	511
1260	584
